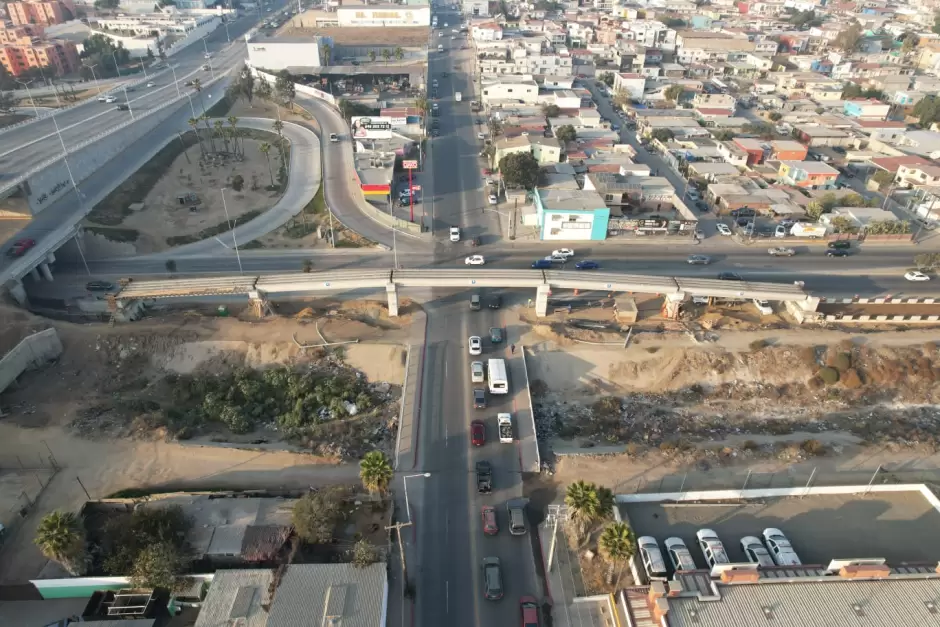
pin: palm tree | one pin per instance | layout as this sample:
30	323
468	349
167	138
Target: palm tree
278	127
617	545
585	503
205	120
265	148
386	54
233	122
375	471
421	103
218	124
60	537
194	124
372	56
399	53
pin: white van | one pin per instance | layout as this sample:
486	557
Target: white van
458	96
440	47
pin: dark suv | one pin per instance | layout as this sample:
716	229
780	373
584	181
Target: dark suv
841	244
479	398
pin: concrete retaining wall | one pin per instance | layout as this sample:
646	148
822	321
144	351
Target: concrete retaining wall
33	352
883	319
881	301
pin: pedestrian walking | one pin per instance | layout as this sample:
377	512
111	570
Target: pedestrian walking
512	349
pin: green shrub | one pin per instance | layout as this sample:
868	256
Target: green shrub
841	362
813	448
828	375
757	345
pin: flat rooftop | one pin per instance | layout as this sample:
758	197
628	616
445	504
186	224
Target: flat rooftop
897	526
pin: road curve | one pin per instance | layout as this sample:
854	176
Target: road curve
302	186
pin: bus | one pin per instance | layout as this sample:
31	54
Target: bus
497	376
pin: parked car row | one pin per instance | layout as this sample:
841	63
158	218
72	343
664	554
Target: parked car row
772	549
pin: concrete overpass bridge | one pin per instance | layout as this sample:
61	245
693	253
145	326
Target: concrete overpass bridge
259	288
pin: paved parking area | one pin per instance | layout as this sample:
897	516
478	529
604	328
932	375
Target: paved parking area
899	526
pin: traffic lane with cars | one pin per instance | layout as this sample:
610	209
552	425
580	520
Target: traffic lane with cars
450	537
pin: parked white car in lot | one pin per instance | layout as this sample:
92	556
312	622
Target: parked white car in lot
780	548
679	554
651	556
756	552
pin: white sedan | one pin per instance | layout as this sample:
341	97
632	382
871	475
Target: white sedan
915	275
763	307
723	228
493	199
476	345
474	260
563	252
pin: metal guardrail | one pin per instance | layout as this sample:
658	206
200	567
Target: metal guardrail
434	277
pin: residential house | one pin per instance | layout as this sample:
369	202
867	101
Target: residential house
705	46
918	175
718	101
923	143
627	191
546	150
475	8
568	215
632	84
508	89
757	150
816	135
490	31
733	154
787	150
866	109
809	174
712	172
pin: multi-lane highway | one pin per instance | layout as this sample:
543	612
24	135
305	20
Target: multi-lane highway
27	146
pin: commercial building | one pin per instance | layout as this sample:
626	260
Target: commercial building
510	89
571	215
42	13
362	15
60	55
284	53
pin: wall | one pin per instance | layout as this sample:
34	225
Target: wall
382	17
34	351
301	89
277	56
193	36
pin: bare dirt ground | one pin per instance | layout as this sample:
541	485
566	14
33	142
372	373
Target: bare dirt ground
673	409
9	119
101	362
162	222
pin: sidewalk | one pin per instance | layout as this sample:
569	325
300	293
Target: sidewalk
406	450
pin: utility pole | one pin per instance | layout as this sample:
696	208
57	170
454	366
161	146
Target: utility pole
401	549
512	219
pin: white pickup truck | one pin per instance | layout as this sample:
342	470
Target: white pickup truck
504	422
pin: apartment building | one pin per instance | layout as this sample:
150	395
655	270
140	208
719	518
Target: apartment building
546	150
59	55
21	35
650	33
918	175
715	101
42	13
706	47
632	84
490	31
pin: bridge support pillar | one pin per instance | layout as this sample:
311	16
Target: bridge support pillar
671	305
50	258
18	292
35	274
46	272
391	290
541	300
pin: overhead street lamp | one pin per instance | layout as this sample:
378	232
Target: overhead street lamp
30	95
234	241
176	82
405	483
93	75
128	102
143	68
116	66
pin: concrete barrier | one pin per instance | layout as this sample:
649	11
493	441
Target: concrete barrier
32	352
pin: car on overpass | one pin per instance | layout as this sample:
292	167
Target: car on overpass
699	260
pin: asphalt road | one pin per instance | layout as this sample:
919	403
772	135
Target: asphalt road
26	147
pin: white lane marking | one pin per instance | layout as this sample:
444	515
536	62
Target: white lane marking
446	437
447	527
447	596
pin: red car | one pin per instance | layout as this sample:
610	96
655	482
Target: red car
20	247
477	433
487	172
530	612
490	527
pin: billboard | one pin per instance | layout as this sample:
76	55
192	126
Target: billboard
374	127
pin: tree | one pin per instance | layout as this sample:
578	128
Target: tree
843	224
551	110
829	201
158	566
927	110
775	116
621	98
194	124
170	266
814	209
566	133
233	123
673	93
421	103
285	88
805	18
883	177
495	127
927	261
238	182
399	53
263	89
936	23
278	128
327	53
909	41
587	504
217	125
663	134
372	55
316	515
107	4
617	545
60	537
244	85
761	129
847	40
607	78
519	170
673	22
376	472
851	90
386	55
852	200
7	101
364	554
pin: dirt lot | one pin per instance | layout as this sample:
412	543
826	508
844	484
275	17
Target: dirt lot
675	403
9	119
104	365
144	215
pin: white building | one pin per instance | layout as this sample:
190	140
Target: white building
138	33
491	31
510	89
632	84
476	8
287	52
384	15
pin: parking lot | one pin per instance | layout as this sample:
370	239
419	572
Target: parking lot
899	526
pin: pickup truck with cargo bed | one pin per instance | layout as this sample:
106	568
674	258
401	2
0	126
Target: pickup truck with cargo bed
484	477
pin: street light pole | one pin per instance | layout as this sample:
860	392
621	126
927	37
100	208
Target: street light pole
405	483
142	67
116	66
128	101
94	76
175	81
191	107
232	228
30	95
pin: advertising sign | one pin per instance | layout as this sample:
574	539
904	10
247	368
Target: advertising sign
369	127
410	164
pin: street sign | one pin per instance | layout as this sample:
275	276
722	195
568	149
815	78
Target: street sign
417	188
410	165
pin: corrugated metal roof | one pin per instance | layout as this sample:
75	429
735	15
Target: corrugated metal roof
885	603
309	593
236	594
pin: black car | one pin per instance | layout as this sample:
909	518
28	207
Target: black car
743	213
837	252
99	286
840	244
479	398
729	276
496	302
701	206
